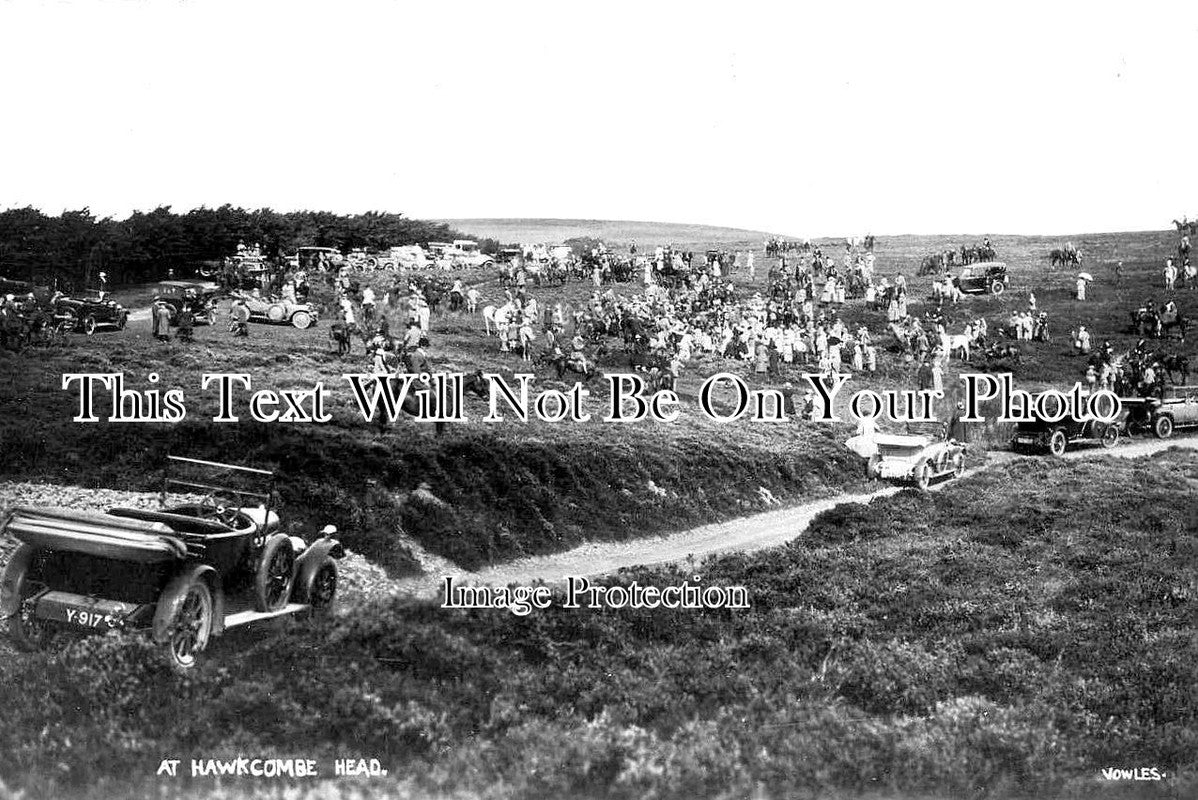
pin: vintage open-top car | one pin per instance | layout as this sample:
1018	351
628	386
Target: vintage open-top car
89	312
1177	408
185	573
1055	437
198	297
279	310
921	456
982	277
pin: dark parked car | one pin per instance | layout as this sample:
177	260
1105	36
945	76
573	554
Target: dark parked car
1056	437
89	312
185	573
199	297
985	276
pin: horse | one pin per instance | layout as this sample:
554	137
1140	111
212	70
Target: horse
563	363
1170	320
1064	256
1175	363
959	342
342	334
1147	323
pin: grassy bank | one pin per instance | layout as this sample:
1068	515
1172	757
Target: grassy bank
474	496
967	643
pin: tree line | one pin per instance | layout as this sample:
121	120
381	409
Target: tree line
75	246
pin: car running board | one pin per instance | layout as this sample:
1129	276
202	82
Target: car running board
246	617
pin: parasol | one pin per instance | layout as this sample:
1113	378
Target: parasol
1085	276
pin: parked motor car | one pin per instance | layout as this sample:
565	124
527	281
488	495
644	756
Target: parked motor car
279	310
199	297
919	456
982	277
1177	408
1056	437
89	312
185	573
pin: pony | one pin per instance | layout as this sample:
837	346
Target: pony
342	334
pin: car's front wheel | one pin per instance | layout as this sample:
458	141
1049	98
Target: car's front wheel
1110	435
923	476
1162	427
89	324
958	465
318	587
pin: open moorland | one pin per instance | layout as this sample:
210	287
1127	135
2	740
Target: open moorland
1010	635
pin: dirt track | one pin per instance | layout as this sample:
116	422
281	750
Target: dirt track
744	534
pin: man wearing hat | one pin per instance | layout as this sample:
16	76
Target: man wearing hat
808	412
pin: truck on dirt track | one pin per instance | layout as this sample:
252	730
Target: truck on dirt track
185	573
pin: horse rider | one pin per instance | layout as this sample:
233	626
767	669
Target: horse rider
414	358
578	356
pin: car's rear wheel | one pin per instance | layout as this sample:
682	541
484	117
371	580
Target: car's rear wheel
189	630
210	317
89	324
275	575
873	467
1162	427
27	632
1058	442
301	320
998	287
276	313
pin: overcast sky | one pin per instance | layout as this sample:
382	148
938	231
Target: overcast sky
825	118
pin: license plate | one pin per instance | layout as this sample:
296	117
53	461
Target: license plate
79	611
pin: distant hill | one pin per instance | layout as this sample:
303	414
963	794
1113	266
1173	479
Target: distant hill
616	233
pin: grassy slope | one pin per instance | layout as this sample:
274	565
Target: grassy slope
495	475
1012	636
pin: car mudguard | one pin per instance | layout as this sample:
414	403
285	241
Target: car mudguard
172	596
14	576
311	559
316	552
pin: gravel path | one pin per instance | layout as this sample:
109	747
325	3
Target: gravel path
363	580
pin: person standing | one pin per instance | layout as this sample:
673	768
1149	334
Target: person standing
368	301
241	318
1081	288
163	314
